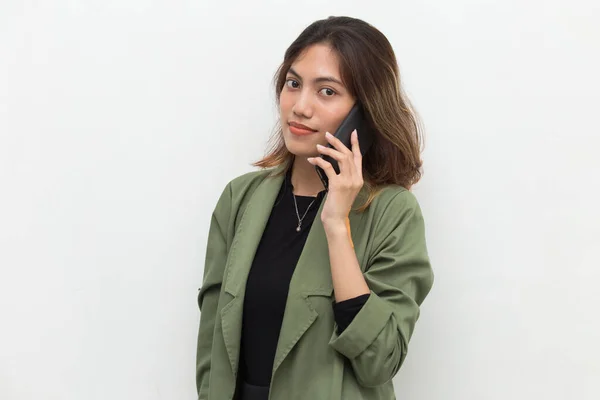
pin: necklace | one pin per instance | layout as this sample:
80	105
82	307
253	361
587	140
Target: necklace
298	215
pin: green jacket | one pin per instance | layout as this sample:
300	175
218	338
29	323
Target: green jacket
312	361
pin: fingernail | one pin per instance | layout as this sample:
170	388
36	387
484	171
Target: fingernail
329	135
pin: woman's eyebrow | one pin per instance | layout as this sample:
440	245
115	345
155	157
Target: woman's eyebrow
319	79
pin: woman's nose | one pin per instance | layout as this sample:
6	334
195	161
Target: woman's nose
303	106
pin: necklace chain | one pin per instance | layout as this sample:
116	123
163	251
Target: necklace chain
298	214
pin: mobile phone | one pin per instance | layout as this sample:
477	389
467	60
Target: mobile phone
354	120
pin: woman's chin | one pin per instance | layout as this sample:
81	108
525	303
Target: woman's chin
304	154
301	151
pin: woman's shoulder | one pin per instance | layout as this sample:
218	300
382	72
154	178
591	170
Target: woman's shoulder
394	200
397	215
248	180
239	189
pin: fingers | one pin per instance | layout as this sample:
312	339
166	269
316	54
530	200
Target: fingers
337	143
333	153
348	160
344	160
355	144
325	165
357	153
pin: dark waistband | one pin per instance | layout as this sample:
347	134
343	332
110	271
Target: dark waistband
253	392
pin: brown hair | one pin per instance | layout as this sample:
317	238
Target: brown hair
370	72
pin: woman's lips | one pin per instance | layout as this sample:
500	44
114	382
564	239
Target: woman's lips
301	132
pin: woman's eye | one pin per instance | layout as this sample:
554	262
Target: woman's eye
291	81
329	92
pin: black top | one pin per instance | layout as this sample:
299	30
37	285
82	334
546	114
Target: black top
268	283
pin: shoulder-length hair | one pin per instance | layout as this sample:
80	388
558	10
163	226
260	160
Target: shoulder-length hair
370	72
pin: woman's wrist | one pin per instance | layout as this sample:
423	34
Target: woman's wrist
335	229
335	226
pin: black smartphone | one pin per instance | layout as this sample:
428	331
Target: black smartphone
354	120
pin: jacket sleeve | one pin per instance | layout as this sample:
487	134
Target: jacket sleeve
399	275
208	296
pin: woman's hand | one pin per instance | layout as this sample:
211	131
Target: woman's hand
345	186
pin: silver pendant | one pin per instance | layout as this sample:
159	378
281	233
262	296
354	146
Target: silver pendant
298	228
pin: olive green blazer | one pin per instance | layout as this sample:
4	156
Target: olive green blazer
312	361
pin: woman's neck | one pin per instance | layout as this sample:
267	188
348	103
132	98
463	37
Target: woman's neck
305	179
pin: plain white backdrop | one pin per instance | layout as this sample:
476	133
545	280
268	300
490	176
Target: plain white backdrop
121	122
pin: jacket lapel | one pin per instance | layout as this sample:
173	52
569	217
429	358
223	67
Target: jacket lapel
312	275
241	255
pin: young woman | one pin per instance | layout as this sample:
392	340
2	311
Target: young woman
299	307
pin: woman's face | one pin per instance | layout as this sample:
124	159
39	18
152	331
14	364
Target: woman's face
313	96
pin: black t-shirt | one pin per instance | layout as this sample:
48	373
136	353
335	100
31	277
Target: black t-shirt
268	283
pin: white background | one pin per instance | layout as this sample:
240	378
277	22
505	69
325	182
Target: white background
121	122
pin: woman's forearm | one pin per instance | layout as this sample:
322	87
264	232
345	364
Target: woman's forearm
348	280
